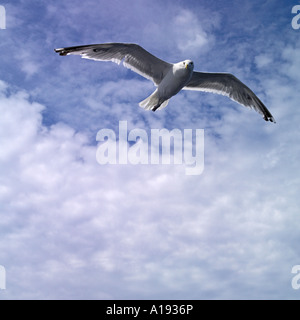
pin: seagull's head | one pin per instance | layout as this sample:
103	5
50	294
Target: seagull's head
188	64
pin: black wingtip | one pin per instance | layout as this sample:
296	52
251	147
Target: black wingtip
269	118
62	51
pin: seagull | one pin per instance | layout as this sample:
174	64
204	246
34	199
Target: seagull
168	77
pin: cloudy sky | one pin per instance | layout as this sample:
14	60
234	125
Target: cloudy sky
72	229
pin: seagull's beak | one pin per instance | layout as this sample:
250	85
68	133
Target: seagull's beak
186	66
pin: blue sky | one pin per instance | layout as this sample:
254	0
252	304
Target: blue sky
72	229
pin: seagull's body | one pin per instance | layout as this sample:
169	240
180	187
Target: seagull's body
177	77
169	78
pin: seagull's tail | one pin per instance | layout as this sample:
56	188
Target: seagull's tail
153	102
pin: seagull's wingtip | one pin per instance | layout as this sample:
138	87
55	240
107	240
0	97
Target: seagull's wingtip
61	51
271	119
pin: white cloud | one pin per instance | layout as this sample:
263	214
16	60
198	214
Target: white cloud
189	33
70	226
263	61
292	66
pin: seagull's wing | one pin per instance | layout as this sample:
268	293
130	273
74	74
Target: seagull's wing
228	85
135	58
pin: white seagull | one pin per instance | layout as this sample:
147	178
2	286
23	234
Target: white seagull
169	78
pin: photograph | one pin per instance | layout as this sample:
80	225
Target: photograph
149	152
